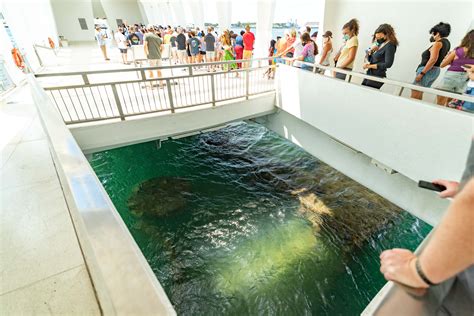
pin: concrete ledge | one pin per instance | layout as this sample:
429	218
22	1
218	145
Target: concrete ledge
108	135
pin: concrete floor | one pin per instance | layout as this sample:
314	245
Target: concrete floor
42	266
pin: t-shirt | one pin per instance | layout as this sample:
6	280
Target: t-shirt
210	42
239	40
308	52
173	41
352	42
140	36
154	45
101	36
298	48
121	40
167	38
193	45
249	40
134	39
181	41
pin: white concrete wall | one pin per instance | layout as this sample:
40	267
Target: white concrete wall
67	13
126	10
31	22
412	20
422	141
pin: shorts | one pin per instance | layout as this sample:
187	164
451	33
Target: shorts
211	55
202	53
181	53
247	54
123	50
194	53
428	78
154	62
454	81
174	49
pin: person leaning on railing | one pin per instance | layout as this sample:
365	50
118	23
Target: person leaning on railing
380	55
428	70
455	78
346	56
449	254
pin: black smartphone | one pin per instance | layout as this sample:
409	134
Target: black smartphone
431	186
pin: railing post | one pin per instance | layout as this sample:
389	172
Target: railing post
213	90
190	70
142	72
348	78
85	79
117	102
247	83
170	95
400	92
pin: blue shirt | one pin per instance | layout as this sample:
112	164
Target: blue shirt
239	40
140	36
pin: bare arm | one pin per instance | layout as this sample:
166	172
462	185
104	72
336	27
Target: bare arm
350	58
145	46
449	251
434	50
451	248
448	59
326	49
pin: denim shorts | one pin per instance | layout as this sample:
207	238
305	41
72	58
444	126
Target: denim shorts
428	78
454	81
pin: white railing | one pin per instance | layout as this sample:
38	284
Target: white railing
121	93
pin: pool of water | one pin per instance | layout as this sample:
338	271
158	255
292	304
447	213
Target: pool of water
241	222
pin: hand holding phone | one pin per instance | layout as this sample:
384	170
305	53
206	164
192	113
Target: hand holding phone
431	186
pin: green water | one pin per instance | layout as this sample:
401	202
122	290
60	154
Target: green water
240	240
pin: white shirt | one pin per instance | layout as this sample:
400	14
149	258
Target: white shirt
298	46
121	40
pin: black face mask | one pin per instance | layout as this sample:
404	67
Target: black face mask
381	41
432	39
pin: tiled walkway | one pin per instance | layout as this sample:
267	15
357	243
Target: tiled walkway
42	269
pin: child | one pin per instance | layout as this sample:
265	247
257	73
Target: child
270	73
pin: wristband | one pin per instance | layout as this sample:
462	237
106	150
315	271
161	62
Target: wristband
422	275
423	73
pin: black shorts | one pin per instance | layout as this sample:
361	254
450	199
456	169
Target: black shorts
202	53
123	50
188	51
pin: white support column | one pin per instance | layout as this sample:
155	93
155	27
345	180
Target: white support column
197	12
177	10
263	36
224	14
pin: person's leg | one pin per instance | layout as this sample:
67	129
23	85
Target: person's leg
415	94
103	48
440	100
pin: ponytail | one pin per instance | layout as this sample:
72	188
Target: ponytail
353	26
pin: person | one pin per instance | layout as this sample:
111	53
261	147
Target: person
239	48
133	38
461	104
428	70
174	48
228	52
381	55
345	58
193	43
210	41
138	32
181	46
310	50
167	36
202	47
327	50
290	49
249	40
153	46
101	38
455	79
121	41
314	37
270	73
449	254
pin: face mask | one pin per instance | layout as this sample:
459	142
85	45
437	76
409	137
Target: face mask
345	37
380	41
432	39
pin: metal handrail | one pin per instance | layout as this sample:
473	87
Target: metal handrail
180	66
402	85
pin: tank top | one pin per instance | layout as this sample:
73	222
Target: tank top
442	53
461	60
325	62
